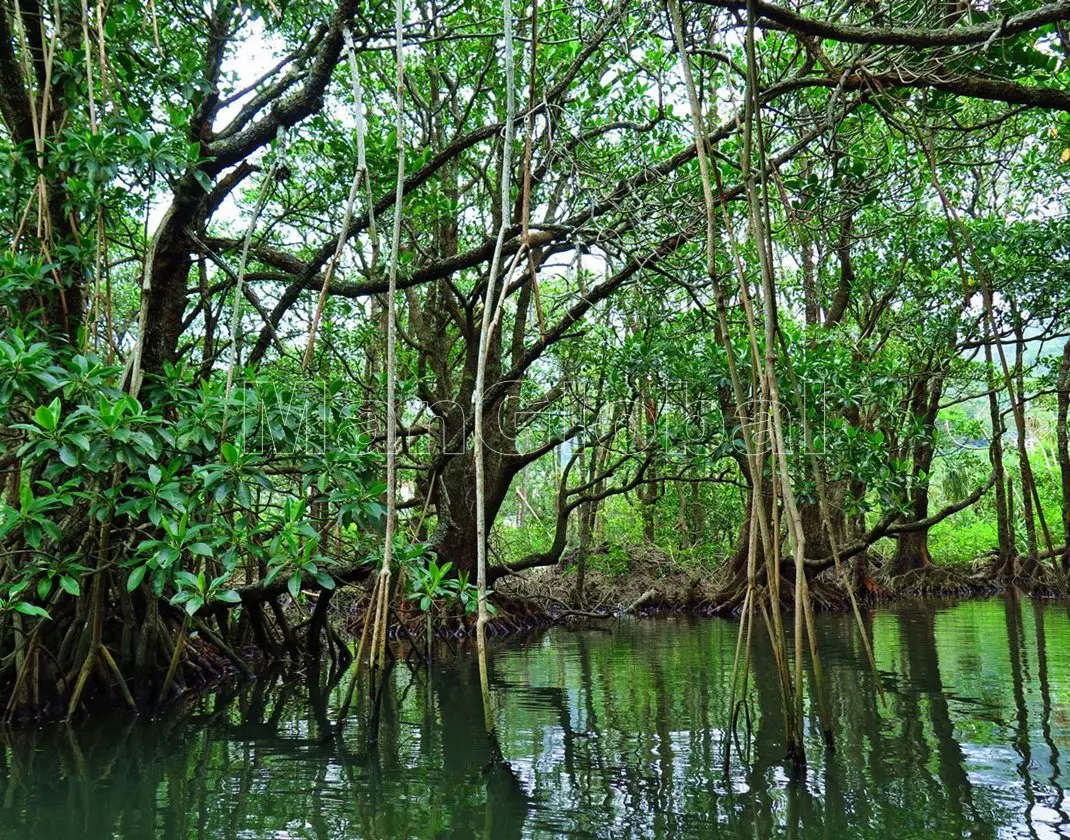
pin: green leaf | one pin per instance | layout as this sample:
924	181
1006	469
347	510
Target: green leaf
200	549
45	418
154	475
167	555
133	581
30	609
324	580
187	578
294	584
203	179
70	585
230	596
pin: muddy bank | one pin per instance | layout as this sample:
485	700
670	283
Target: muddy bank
657	588
640	593
541	598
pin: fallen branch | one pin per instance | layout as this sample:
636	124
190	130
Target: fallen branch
638	602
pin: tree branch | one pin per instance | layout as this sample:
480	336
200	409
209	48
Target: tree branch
903	36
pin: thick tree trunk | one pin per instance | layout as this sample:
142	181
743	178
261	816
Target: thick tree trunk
647	496
1004	565
818	544
1064	449
696	513
681	516
455	538
166	287
912	547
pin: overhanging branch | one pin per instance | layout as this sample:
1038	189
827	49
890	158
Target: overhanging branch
904	36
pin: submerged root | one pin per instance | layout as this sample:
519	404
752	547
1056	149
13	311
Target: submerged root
145	653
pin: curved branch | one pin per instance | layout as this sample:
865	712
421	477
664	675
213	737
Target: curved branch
976	87
887	527
553	554
302	103
904	36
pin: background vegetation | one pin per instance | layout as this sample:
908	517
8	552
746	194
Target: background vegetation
200	270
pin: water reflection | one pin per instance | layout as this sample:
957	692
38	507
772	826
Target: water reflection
616	734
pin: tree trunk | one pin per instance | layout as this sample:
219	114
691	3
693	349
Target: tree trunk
1017	395
1004	565
455	538
164	291
647	496
1064	449
681	516
696	511
818	544
588	518
912	547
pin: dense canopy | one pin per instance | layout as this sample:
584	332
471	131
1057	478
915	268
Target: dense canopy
773	293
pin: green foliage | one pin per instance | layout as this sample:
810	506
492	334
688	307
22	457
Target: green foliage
194	490
431	584
960	544
139	201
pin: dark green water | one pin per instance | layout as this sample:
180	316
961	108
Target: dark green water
605	735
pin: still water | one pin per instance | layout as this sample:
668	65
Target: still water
615	734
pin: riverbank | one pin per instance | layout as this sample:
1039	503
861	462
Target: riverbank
656	586
653	585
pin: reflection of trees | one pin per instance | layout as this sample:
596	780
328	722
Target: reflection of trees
467	755
1058	793
610	736
917	630
85	784
259	760
1016	648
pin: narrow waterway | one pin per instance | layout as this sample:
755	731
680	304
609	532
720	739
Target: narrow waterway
616	734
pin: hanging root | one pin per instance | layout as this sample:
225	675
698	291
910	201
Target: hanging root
176	657
351	688
380	666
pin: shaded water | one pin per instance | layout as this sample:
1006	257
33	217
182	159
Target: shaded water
617	734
